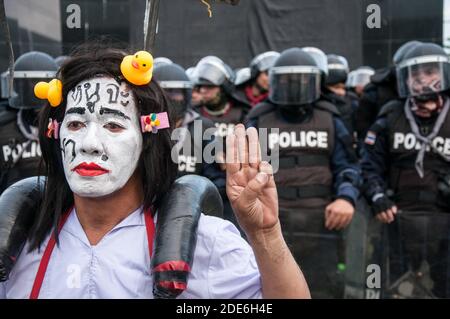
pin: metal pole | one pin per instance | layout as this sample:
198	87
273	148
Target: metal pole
7	36
150	24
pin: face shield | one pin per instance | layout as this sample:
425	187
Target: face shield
359	78
319	57
424	75
294	85
211	73
23	88
179	94
265	61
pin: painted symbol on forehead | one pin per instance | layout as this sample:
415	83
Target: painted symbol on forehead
105	110
66	142
125	94
90	97
77	94
113	91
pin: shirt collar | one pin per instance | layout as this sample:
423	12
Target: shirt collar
73	225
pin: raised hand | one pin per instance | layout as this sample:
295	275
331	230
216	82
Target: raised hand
250	184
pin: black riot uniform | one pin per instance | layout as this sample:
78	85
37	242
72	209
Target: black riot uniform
406	162
19	148
316	165
247	80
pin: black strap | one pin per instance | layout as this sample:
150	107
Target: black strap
303	192
304	161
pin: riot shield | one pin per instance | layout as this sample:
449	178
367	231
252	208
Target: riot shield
418	256
319	251
364	255
408	258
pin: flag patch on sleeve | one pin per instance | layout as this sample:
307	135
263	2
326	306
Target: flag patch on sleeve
371	138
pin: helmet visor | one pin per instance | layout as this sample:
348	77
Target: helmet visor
212	72
23	89
294	85
423	75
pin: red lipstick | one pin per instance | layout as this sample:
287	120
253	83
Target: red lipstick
90	169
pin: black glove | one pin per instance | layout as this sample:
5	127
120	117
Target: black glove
381	204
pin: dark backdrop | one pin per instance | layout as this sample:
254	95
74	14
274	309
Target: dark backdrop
237	33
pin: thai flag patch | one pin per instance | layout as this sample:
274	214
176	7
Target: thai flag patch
371	138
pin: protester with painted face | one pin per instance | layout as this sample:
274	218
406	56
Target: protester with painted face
406	167
318	175
20	152
256	88
105	140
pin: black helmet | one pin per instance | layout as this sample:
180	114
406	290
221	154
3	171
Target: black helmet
337	69
425	69
177	85
294	78
400	53
211	70
262	63
29	69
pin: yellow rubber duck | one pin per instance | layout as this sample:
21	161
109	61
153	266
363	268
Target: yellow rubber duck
51	91
138	68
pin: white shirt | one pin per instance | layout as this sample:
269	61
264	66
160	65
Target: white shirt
118	266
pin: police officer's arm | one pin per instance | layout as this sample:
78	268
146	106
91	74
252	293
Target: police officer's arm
346	174
344	164
212	171
374	166
253	196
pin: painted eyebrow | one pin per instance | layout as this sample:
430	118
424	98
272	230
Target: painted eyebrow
76	110
105	110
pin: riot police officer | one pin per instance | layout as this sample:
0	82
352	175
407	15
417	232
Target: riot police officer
19	148
318	175
215	81
334	90
358	79
176	84
381	89
406	166
255	89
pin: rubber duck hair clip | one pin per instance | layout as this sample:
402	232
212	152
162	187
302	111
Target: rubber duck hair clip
154	121
138	68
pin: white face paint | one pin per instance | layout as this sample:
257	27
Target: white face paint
100	137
